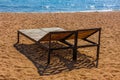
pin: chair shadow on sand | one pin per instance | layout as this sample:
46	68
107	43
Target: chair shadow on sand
61	60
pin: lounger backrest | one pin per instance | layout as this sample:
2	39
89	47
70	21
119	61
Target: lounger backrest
59	35
86	32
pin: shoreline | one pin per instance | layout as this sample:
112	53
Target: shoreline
88	11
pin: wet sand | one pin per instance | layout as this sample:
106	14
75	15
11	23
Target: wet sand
27	61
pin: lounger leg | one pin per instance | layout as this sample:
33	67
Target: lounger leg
75	47
97	59
74	54
98	49
49	52
18	35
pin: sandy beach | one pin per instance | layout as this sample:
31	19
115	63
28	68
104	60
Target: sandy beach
27	60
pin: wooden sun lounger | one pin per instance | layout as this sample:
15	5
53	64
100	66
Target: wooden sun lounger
61	35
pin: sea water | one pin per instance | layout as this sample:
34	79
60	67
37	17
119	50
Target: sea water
58	5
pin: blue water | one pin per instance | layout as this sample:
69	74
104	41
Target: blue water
58	5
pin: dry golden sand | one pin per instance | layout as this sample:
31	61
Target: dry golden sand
21	64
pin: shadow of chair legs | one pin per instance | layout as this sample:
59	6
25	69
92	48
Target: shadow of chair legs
61	60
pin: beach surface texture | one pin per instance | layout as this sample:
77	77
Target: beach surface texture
26	61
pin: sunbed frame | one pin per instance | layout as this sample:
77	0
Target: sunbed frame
62	36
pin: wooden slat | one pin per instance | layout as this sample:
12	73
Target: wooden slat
35	34
56	36
52	29
38	34
85	33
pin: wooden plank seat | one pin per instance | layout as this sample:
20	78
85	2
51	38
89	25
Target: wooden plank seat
62	35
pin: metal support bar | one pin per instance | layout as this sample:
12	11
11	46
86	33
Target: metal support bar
83	46
61	48
18	35
97	55
89	41
49	50
75	46
68	36
65	42
98	49
92	33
